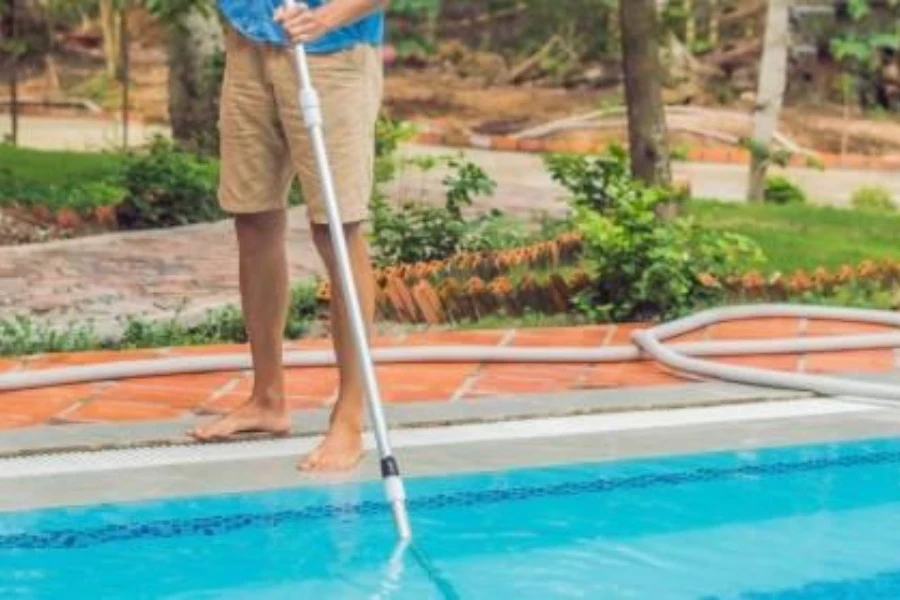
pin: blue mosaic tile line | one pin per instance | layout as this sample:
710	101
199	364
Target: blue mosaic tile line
218	525
882	586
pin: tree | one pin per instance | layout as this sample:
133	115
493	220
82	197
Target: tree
110	25
195	45
647	131
770	97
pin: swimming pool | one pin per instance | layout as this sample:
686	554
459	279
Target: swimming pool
789	523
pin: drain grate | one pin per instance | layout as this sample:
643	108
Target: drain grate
158	456
85	461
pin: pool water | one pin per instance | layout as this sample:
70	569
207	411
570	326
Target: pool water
807	522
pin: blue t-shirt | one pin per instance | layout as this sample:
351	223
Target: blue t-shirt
254	19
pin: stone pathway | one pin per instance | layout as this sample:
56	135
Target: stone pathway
177	397
157	274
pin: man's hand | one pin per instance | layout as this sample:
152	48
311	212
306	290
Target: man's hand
302	24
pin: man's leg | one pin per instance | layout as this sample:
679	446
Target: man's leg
264	296
342	447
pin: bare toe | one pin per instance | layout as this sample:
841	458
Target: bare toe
249	418
341	450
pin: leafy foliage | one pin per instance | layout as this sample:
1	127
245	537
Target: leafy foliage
781	190
167	186
868	37
416	232
22	336
642	266
874	199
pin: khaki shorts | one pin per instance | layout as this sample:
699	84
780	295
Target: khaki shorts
264	141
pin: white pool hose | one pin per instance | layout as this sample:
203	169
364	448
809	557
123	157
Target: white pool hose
649	344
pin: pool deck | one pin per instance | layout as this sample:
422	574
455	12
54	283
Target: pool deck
446	418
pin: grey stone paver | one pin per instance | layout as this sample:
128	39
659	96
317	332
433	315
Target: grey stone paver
418	414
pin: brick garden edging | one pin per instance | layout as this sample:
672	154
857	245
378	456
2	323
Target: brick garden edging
434	134
546	277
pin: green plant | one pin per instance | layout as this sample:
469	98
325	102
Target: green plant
21	336
465	181
765	154
415	24
873	198
781	190
415	232
167	186
865	42
595	181
223	325
681	151
641	265
494	230
389	134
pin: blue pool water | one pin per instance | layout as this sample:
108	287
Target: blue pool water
796	523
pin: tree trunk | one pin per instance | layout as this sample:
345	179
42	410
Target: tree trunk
647	133
109	24
770	97
195	51
714	24
14	76
690	24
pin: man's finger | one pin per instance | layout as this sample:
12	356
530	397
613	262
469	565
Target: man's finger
285	13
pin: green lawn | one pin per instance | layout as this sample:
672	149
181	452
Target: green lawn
807	236
56	168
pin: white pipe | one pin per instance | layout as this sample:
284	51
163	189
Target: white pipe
649	345
439	354
651	341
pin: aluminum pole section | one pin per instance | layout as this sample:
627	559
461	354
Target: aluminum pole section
312	116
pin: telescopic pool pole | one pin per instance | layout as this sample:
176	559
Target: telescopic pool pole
312	116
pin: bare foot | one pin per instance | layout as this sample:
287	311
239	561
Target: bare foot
248	418
341	450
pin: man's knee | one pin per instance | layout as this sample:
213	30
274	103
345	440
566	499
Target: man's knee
257	231
353	233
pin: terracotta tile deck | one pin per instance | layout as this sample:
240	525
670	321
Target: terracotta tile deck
155	398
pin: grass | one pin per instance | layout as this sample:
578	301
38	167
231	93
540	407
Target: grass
806	237
57	167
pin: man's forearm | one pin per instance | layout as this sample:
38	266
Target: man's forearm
338	13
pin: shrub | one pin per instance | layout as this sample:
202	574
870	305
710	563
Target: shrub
641	265
20	336
873	198
594	181
781	190
225	324
168	186
417	232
